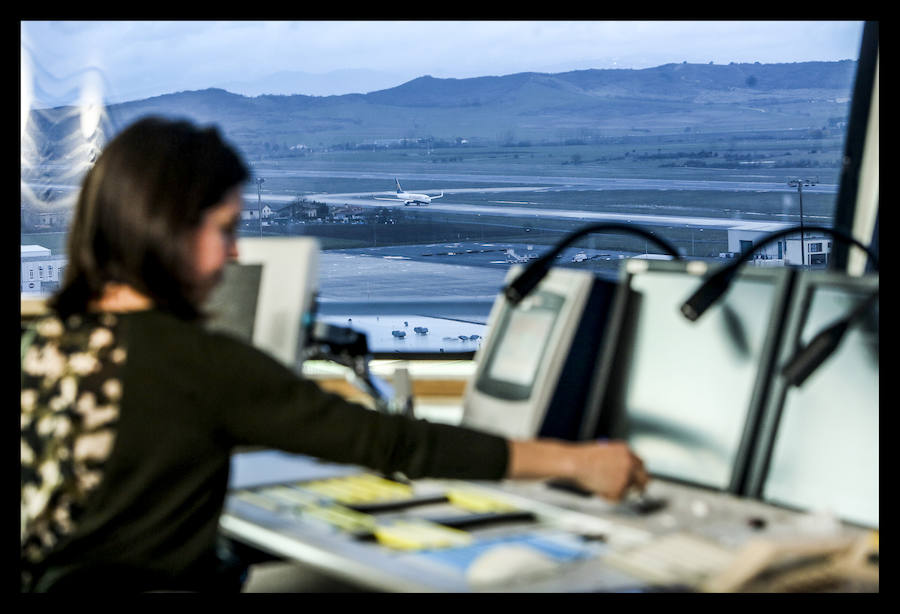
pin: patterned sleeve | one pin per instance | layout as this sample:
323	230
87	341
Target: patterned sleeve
71	387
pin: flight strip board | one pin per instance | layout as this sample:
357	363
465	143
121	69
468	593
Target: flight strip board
434	535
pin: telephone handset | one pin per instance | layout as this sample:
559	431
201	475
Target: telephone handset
800	565
685	561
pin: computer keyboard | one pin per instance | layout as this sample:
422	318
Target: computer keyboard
674	559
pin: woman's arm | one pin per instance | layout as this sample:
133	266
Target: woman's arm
257	401
607	468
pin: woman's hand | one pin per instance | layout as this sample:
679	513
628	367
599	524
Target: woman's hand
607	468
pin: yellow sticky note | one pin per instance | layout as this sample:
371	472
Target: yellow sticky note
420	535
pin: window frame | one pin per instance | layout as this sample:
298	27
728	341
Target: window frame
848	201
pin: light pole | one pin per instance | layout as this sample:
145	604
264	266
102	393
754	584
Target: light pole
259	182
799	183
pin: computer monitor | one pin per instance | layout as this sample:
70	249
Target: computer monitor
819	441
685	394
266	297
232	306
535	365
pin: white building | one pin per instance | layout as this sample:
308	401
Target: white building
41	271
348	214
817	246
253	212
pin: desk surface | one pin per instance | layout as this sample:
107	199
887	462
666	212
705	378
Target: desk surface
276	504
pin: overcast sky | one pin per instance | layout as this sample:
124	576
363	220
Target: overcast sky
139	59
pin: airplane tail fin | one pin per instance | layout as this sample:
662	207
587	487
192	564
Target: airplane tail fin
397	181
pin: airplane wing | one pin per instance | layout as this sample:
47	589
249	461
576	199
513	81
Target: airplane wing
433	197
396	200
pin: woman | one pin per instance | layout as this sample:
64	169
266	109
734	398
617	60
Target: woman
130	408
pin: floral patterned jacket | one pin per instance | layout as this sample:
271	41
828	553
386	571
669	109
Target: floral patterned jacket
71	388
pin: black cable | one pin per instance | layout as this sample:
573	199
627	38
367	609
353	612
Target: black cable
519	288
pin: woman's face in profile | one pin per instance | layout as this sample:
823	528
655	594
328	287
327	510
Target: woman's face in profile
215	243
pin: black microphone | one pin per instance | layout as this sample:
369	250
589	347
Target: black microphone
519	288
708	292
718	283
808	358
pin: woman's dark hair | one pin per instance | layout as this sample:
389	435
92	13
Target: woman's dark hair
138	206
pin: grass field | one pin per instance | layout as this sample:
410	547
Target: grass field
719	158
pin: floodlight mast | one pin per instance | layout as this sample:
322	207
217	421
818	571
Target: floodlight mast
259	182
799	183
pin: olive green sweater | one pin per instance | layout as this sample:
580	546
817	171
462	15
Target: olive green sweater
188	397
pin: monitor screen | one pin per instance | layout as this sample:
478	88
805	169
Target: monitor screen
526	356
690	391
270	292
821	447
232	307
522	338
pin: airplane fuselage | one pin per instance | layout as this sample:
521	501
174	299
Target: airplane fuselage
410	198
414	199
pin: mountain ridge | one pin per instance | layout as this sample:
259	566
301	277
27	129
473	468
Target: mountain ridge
530	106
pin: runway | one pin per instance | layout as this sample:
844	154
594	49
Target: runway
509	208
363	200
543	184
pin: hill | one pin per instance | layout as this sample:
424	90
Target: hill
532	107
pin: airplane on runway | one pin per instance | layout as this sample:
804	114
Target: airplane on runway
513	258
408	198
